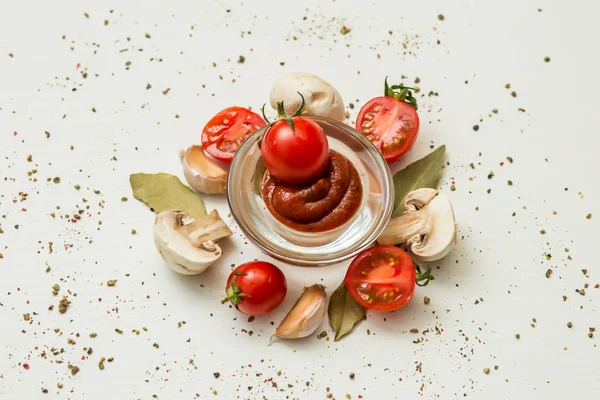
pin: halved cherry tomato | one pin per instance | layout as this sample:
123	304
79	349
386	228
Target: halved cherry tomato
256	288
381	278
227	130
391	122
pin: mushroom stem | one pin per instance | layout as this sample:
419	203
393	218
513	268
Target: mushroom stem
204	229
407	228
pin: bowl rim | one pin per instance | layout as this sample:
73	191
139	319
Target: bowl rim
366	242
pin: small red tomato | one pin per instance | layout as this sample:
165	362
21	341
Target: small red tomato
227	130
298	155
381	278
390	122
256	288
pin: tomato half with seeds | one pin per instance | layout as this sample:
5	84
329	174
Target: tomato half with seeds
228	129
381	278
390	122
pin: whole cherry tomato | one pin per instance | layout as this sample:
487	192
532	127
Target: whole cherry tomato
256	288
227	130
381	278
295	149
391	122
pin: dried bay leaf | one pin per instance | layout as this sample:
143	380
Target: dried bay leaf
257	178
423	173
344	312
166	192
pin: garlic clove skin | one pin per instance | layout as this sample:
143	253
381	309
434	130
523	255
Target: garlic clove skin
201	173
306	315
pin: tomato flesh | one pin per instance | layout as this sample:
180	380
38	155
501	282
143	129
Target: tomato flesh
391	125
295	157
262	287
227	130
381	278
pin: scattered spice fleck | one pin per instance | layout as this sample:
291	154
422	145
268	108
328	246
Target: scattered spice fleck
426	300
111	282
241	59
345	30
475	128
441	17
63	304
547	59
486	371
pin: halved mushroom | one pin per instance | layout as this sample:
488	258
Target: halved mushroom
427	228
322	99
187	245
202	174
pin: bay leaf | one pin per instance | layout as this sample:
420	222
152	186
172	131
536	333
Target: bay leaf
166	192
344	312
423	173
257	178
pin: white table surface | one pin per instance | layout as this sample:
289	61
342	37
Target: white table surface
486	291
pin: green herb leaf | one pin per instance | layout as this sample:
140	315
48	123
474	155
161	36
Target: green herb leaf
257	178
166	192
344	312
424	173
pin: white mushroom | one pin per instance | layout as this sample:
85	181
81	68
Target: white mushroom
187	245
202	174
322	99
427	228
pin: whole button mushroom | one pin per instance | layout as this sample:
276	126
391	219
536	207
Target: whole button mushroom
427	228
322	99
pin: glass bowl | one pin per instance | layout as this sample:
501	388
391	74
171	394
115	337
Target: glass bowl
312	248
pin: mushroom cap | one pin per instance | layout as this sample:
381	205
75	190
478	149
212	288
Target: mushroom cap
176	248
321	99
440	236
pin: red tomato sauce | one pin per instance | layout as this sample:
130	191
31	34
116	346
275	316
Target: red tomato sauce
323	205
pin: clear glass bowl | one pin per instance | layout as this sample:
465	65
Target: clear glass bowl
310	248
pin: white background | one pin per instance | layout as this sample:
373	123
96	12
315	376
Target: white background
500	258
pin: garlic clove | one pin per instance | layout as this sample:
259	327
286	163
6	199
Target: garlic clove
306	315
201	173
